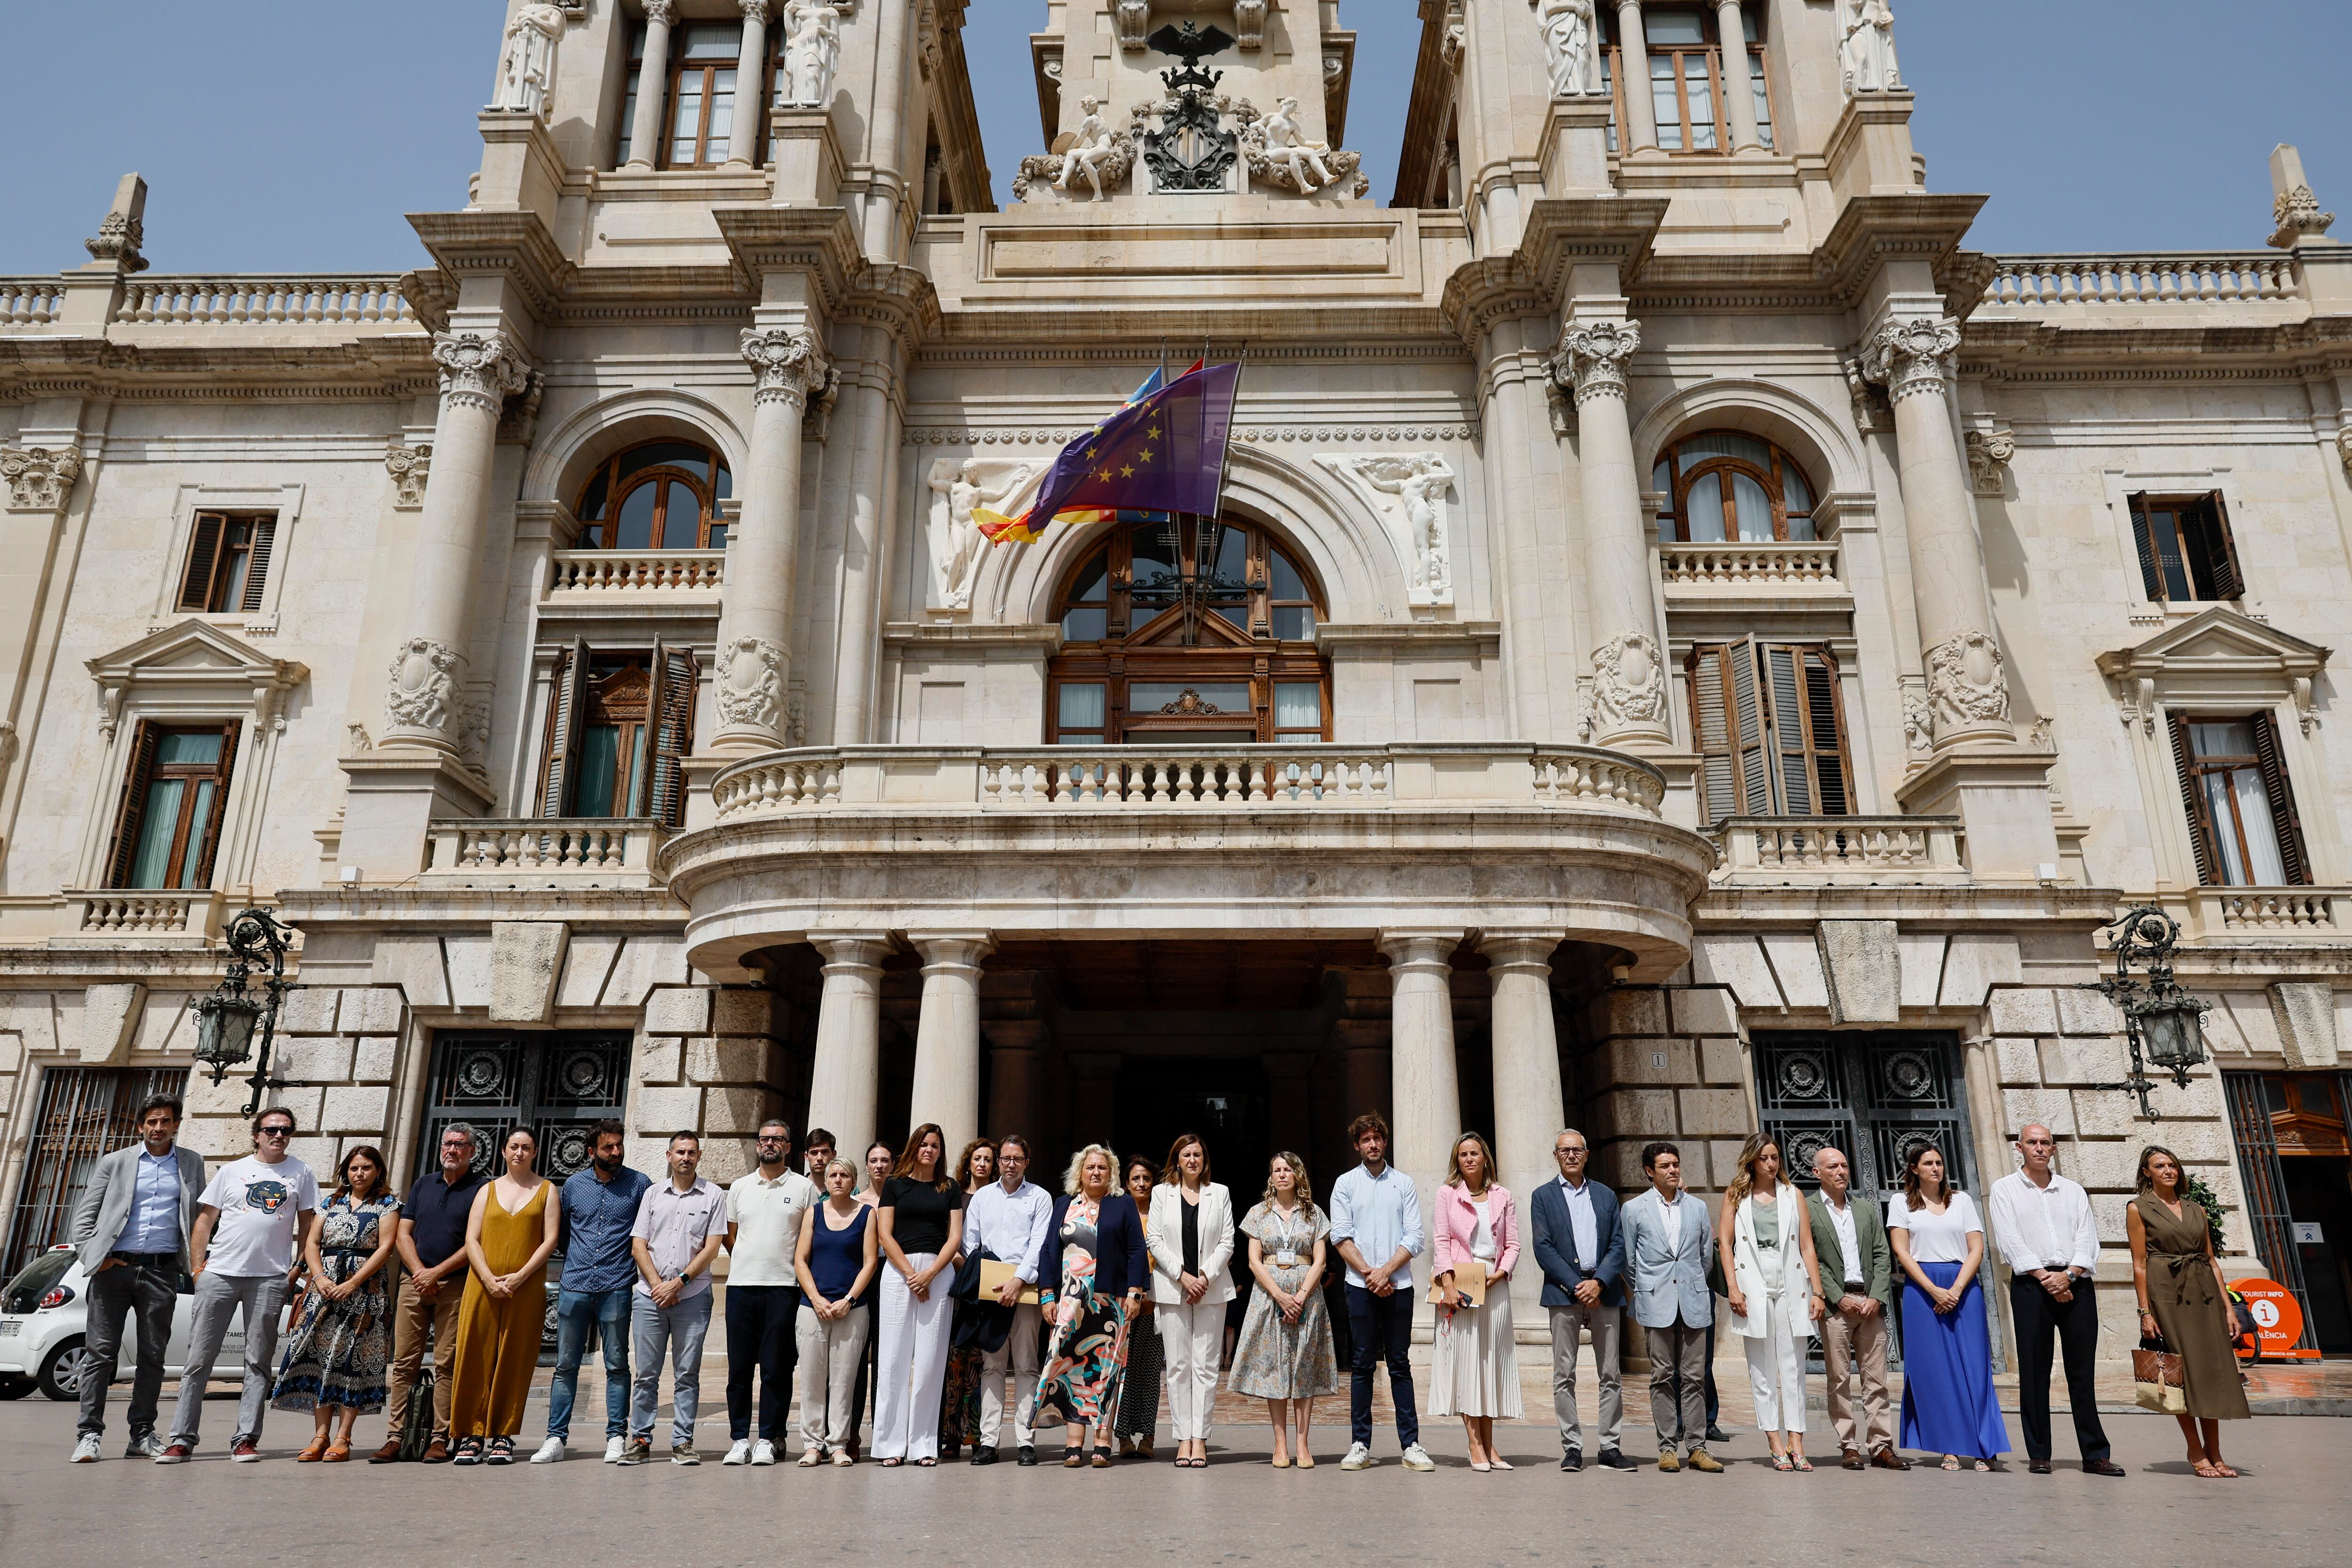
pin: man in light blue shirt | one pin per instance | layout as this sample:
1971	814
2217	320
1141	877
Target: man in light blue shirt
131	1226
1376	1214
1007	1220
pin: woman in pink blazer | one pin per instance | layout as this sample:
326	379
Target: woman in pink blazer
1475	1370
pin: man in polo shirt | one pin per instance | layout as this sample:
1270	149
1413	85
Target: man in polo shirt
1007	1220
600	1205
675	1240
1376	1224
765	1209
432	1243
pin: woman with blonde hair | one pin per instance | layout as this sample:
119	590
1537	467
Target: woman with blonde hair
2184	1302
1767	1231
1191	1239
1475	1366
1284	1354
1089	1278
834	1260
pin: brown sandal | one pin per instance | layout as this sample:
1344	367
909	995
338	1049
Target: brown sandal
314	1452
338	1452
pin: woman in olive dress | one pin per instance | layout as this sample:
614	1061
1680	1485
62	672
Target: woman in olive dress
2185	1301
1285	1355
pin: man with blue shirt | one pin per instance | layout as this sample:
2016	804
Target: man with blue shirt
1582	1250
1376	1214
1007	1220
600	1205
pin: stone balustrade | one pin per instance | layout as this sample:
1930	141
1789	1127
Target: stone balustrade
146	913
2164	279
1237	778
2273	913
30	302
636	570
612	852
262	299
1771	852
1775	566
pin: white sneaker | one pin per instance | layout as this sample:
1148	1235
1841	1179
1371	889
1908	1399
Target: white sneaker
549	1452
1359	1457
1415	1460
86	1450
740	1453
613	1448
763	1452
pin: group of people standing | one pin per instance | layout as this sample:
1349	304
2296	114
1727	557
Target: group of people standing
937	1286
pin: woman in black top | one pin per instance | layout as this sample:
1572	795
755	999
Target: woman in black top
922	1224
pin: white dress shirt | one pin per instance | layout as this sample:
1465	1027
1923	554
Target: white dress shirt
1671	1209
1842	1222
2043	1228
1581	1222
1009	1226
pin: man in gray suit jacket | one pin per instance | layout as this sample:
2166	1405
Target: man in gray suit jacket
1668	1244
130	1226
1581	1252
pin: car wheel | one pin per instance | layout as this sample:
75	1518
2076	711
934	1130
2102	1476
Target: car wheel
61	1374
15	1385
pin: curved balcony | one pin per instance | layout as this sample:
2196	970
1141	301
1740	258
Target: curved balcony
1132	842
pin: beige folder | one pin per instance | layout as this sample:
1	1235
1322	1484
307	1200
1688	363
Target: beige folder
993	1276
1470	1279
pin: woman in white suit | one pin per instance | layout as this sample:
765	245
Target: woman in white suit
1776	1295
1191	1236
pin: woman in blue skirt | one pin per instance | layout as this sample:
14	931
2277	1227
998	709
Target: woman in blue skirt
1948	1404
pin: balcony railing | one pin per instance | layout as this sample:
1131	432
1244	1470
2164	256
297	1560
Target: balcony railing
30	302
264	300
1772	850
610	852
636	570
1774	567
1240	778
2159	280
2289	914
146	914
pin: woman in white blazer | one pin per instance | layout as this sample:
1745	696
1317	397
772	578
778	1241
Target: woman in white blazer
1190	1236
1767	1231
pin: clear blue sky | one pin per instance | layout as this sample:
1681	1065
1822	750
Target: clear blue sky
286	135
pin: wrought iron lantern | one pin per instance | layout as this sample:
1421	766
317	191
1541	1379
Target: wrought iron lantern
2163	1025
226	1019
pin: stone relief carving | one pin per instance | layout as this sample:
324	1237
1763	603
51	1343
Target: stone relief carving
786	364
1867	46
1966	682
750	683
1106	174
1872	414
1918	716
2297	212
1450	46
1629	683
1593	355
527	64
410	467
39	479
1909	356
662	11
1989	455
812	50
518	422
1096	146
1567	41
479	370
424	688
473	736
1408	489
1249	24
1134	23
955	539
2344	446
1279	156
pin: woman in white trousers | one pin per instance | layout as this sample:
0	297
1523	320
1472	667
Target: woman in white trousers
921	1216
835	1261
1776	1295
1191	1238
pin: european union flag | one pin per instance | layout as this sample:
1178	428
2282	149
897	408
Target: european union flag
1163	451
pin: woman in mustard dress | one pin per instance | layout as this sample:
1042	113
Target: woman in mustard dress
2184	1302
513	1227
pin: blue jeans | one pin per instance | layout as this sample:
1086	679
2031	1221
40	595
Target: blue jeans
681	1324
575	1312
1381	1329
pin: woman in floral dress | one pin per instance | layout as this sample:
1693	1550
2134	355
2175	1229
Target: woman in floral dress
1089	1282
1285	1355
334	1362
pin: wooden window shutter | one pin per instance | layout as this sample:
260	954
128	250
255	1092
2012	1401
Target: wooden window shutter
132	809
2208	537
1727	717
204	556
566	715
257	563
2200	826
2143	540
1791	757
671	725
206	851
1824	732
2288	826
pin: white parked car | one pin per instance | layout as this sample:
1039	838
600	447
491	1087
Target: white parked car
41	1312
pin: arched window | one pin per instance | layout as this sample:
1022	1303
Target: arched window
1724	487
659	495
1183	629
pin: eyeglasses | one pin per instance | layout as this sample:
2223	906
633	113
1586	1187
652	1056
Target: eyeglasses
766	1139
1578	1151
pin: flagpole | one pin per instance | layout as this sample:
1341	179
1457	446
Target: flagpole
1224	453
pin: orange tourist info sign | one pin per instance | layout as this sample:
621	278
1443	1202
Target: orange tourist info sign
2278	1317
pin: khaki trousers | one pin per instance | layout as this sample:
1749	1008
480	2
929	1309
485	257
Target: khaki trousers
415	1322
1850	1340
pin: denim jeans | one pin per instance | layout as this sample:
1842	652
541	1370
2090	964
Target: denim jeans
575	1312
260	1303
1381	1327
681	1324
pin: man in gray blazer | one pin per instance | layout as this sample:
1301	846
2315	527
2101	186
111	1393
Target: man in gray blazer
130	1226
1668	1244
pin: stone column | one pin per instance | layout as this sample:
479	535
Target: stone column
478	371
1629	677
947	1036
1738	86
750	85
652	85
1633	60
874	462
845	1082
755	625
1428	1095
1968	691
887	136
1527	1104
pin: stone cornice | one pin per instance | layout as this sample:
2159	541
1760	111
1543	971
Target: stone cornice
819	243
900	301
1563	233
2138	350
512	245
219	369
1942	906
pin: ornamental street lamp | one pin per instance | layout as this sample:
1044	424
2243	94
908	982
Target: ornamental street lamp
225	1018
2163	1025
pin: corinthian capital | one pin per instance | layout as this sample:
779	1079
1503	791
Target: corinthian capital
662	11
1909	355
479	370
786	362
753	10
38	479
1593	355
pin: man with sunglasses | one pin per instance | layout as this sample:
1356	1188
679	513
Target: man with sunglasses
765	1210
432	1245
249	1221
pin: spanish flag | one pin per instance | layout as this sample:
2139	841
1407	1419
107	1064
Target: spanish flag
1162	450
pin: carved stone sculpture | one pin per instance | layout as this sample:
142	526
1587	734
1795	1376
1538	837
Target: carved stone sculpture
1629	683
1567	41
123	229
2297	212
424	689
786	364
2344	446
40	478
410	467
1249	24
1918	719
1867	46
1966	683
1989	455
1095	150
1593	355
1134	23
1408	489
527	64
1280	158
956	545
1908	356
750	682
812	50
479	370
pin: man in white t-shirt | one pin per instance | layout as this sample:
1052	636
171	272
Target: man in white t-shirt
250	1224
765	1209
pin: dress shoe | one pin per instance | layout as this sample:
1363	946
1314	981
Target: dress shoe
2038	1467
1854	1460
1028	1454
1667	1462
387	1455
437	1452
1704	1462
2103	1467
1886	1458
983	1455
1611	1459
1715	1434
1572	1460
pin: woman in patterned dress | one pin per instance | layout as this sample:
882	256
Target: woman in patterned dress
960	1401
1147	1358
334	1363
1284	1355
1088	1281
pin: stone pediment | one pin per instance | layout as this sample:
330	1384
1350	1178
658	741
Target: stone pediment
195	648
2220	636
